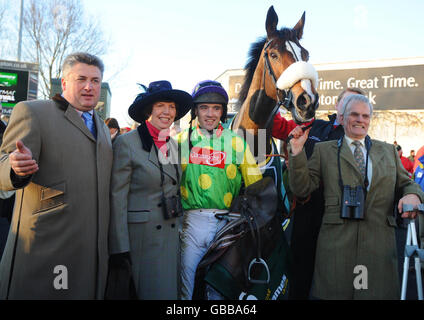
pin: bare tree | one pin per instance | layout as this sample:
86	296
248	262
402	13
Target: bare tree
55	28
7	33
2	11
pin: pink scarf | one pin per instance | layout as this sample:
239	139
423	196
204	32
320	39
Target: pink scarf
160	137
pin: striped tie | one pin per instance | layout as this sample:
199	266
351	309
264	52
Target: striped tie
359	157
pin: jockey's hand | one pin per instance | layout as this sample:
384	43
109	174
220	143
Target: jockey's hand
298	140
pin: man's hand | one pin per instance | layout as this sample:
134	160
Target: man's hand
21	160
411	199
298	140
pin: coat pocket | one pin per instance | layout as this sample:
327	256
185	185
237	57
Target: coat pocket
141	216
332	202
51	197
332	218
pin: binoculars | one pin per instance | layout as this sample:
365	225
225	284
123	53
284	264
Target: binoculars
353	203
171	207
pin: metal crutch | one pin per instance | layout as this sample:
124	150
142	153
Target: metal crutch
412	250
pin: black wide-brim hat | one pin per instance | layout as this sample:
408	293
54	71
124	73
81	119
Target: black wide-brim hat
160	91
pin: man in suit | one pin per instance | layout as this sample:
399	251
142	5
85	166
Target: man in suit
57	154
307	216
364	241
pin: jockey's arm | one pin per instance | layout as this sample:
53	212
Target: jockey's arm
249	169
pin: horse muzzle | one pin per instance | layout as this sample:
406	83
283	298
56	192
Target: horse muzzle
305	109
306	103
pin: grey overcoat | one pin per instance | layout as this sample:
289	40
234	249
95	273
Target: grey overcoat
137	222
344	244
57	243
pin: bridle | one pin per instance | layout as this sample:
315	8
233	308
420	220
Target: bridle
285	96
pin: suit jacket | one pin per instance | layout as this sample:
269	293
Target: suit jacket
137	222
61	216
344	244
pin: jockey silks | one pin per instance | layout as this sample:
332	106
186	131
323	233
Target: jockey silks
214	167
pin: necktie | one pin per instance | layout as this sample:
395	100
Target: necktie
359	157
88	119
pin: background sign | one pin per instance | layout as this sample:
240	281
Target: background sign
388	88
18	82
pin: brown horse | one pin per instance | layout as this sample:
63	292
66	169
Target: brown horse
277	74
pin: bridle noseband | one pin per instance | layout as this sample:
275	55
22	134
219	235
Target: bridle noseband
285	96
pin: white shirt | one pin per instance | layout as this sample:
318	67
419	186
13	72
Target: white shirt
352	147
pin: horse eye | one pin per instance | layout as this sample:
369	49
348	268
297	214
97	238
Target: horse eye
273	55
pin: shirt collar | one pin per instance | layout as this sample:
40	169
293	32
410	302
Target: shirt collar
80	112
350	140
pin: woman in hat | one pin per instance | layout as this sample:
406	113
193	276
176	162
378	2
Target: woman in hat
145	204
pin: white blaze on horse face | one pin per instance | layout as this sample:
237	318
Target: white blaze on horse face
307	86
296	51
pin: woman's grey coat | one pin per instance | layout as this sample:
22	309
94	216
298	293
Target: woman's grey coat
137	222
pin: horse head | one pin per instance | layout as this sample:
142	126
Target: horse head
277	74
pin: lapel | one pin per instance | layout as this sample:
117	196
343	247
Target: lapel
72	115
102	134
376	154
168	168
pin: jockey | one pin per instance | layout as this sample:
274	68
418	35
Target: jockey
214	163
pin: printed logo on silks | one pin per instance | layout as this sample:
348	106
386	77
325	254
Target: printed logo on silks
208	157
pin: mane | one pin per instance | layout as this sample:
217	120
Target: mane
250	67
253	59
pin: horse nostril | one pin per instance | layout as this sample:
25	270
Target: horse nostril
303	101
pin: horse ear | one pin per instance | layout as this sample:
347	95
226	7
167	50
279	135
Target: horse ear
299	26
271	22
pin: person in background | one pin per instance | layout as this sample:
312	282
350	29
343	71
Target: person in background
352	235
57	154
113	126
408	165
209	184
144	232
412	156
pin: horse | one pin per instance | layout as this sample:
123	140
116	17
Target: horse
277	74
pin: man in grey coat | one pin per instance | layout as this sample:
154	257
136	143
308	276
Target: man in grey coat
58	155
356	250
